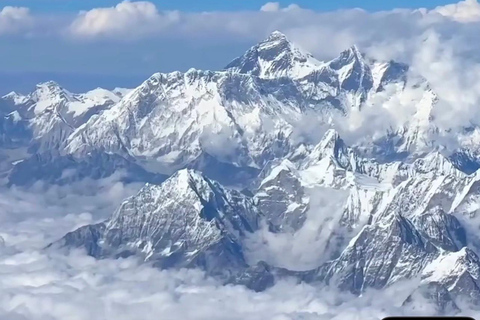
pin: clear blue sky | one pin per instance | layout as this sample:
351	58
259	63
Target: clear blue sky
209	5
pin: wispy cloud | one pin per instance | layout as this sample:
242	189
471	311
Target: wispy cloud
14	20
275	7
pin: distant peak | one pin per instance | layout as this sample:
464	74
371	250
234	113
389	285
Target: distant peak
50	87
275	57
276	35
349	56
352	53
11	95
354	49
48	84
49	91
331	136
187	176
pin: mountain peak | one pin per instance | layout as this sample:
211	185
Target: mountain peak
354	50
331	147
275	57
15	98
187	175
354	71
48	84
329	141
276	35
50	88
348	56
48	94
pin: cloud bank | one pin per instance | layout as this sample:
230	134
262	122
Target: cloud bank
464	11
42	285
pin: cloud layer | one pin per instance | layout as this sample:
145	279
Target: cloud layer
464	11
41	285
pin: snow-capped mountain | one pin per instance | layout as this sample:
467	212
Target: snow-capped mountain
187	221
285	129
40	122
275	57
244	116
54	112
400	221
265	105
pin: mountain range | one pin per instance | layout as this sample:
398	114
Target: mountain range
227	154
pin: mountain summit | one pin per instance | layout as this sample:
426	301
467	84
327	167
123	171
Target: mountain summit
275	57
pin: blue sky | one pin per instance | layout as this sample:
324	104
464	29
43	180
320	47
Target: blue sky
234	5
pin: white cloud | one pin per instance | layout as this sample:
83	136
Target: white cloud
275	7
463	11
14	20
309	247
41	285
270	7
124	20
46	285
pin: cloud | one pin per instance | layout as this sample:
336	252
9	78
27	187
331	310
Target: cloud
126	19
37	284
463	11
309	247
275	7
270	7
88	200
14	20
44	285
